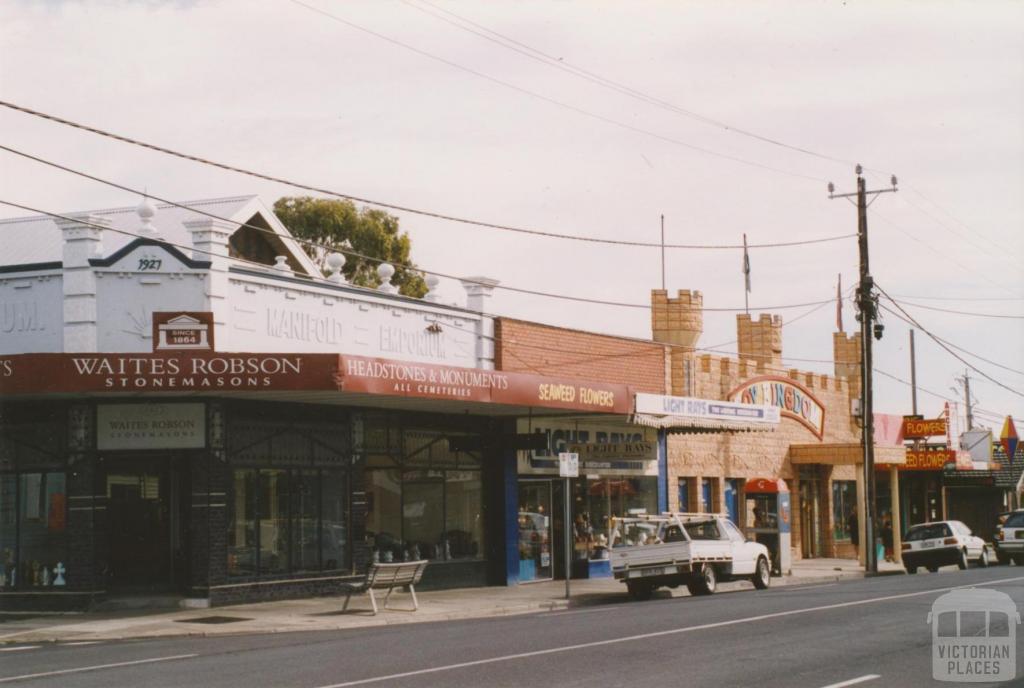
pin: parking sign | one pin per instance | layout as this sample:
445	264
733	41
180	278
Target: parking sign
568	465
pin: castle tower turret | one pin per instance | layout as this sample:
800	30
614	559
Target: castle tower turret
760	340
680	322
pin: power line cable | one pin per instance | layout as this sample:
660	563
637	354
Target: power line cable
382	204
937	252
959	298
947	348
955	312
409	266
958	348
517	46
554	101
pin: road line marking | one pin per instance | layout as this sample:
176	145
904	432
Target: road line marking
16	649
580	611
97	667
853	681
658	634
81	642
784	588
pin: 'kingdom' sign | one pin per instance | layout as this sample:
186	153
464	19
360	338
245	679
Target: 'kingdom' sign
793	400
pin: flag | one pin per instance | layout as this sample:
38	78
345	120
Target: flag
839	304
746	264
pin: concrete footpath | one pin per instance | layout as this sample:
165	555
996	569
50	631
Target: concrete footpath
324	613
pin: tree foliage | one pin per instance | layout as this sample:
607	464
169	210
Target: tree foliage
330	222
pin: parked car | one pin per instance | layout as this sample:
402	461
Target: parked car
942	543
1009	540
695	550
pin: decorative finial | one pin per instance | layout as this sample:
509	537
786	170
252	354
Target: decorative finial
335	262
385	271
146	210
431	281
282	264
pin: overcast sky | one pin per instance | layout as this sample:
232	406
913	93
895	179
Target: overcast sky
930	91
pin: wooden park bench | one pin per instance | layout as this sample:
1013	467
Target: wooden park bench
387	577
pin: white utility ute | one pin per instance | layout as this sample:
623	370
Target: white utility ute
696	550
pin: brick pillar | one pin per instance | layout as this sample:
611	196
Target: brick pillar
82	241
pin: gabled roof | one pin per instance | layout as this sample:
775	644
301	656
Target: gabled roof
37	239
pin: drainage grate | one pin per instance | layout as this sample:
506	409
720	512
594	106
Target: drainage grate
213	619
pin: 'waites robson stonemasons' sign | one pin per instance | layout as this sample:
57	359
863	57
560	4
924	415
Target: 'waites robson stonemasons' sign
194	371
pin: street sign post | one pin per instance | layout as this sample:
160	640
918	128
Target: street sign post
568	467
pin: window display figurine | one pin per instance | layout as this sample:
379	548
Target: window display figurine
58	574
36	577
46	576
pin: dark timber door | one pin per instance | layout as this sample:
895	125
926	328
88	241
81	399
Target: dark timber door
139	511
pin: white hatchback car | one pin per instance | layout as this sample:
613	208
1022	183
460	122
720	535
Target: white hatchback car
941	543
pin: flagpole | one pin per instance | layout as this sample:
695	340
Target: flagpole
746	277
663	252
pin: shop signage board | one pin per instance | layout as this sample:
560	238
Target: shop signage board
166	372
150	426
568	465
183	331
916	428
169	371
706	409
791	398
928	460
425	380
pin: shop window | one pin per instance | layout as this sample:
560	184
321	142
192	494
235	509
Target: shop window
334	519
604	499
287	521
683	492
423	517
464	526
305	521
33	529
710	496
427	514
242	525
8	529
733	487
844	503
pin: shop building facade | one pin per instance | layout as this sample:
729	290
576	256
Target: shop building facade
186	409
816	448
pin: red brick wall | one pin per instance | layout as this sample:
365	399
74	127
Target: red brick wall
526	347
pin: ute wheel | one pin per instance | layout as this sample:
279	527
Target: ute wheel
762	575
933	568
1003	559
640	591
961	563
983	559
707	581
911	570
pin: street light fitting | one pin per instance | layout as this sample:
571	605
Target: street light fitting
858	169
893	180
831	188
879	329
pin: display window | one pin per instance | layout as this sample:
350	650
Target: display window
287	521
33	529
424	500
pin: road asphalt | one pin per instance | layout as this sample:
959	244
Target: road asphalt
870	632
